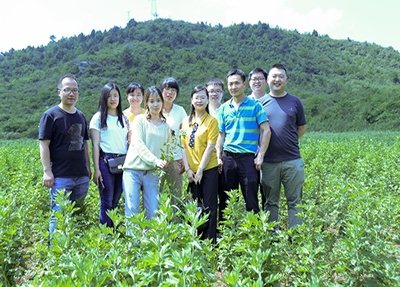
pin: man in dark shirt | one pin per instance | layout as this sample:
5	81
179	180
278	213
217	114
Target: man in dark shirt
282	161
64	149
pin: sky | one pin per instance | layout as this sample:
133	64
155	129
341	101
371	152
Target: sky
31	22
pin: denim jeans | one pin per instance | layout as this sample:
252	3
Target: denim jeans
111	194
133	182
291	175
78	186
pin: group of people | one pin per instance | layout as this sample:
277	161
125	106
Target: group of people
251	141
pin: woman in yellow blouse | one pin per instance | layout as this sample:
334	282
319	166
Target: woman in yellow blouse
200	136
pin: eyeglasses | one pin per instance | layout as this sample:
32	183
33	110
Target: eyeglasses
191	140
215	91
257	79
68	91
113	97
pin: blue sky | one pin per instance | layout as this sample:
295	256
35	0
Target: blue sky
30	23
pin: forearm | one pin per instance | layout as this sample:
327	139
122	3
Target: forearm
206	156
87	154
45	155
220	144
301	130
265	138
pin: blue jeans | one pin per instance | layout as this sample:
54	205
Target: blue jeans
111	194
291	175
78	186
133	182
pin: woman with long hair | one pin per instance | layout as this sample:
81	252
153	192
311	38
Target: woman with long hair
109	133
150	132
199	156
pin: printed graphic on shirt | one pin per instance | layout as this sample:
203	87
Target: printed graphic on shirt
75	135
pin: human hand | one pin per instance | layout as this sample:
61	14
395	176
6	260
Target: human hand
198	176
97	177
258	160
190	175
161	163
48	179
220	165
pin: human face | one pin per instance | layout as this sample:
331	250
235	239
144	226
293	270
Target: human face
169	95
216	93
200	101
277	81
154	104
69	92
236	86
135	98
258	83
113	100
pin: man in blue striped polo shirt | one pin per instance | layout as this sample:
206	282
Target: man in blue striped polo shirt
241	120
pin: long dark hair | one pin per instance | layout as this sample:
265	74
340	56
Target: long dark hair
105	93
195	90
153	91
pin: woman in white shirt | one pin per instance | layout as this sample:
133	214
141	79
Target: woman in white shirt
150	132
175	115
109	133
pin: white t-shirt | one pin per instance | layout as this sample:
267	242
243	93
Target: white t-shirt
113	139
174	120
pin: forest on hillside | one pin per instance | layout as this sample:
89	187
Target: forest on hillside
344	85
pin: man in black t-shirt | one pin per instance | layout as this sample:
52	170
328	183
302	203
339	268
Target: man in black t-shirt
64	149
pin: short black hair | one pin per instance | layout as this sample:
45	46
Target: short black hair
170	83
258	70
280	67
133	86
215	81
66	76
237	72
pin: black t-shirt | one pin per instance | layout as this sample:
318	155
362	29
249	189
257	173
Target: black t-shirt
66	133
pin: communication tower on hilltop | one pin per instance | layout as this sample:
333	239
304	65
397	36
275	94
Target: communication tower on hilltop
154	8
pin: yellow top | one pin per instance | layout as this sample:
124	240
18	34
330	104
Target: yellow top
130	115
207	133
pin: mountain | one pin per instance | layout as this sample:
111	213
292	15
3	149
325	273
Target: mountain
344	85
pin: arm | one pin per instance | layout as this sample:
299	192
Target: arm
95	135
265	137
220	149
87	158
189	172
180	161
301	130
205	159
48	177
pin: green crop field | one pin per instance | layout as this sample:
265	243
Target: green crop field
350	236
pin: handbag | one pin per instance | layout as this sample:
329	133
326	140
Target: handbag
115	164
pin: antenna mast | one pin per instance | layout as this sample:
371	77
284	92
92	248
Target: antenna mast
154	8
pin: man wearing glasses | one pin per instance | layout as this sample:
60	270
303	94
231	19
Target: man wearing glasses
240	121
215	89
258	83
64	149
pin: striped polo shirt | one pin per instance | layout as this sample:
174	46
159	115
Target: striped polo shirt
241	127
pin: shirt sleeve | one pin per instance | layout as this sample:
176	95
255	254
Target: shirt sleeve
213	132
45	127
260	114
95	122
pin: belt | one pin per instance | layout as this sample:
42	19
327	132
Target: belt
104	154
236	155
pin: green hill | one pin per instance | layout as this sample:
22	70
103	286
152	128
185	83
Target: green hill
345	85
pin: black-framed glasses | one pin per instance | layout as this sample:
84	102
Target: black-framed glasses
191	140
258	79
